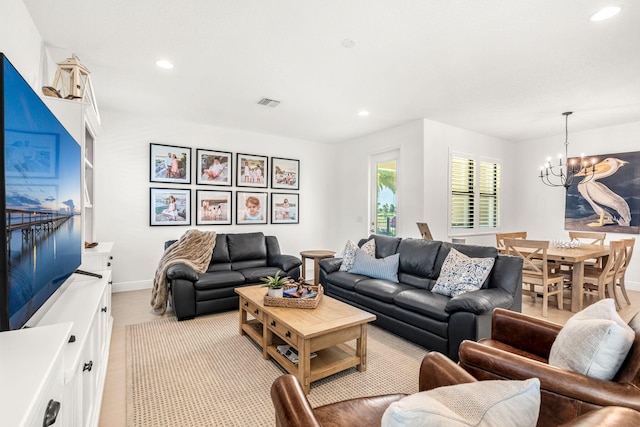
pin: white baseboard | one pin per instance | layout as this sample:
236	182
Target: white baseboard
632	286
132	286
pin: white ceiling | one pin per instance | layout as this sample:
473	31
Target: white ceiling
506	68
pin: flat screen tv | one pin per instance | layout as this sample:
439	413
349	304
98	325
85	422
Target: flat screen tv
40	200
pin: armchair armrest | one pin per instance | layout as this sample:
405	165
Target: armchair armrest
524	332
291	404
329	265
182	271
477	358
481	301
611	416
437	370
284	262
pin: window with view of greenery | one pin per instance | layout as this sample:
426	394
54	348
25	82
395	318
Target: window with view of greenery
386	183
474	193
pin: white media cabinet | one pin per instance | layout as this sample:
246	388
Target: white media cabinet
63	358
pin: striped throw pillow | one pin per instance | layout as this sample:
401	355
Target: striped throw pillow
378	268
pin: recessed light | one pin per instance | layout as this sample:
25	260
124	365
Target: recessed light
363	113
163	63
605	13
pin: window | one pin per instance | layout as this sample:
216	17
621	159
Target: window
474	193
384	189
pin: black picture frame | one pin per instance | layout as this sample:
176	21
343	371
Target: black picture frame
214	167
161	211
246	198
252	170
285	173
285	208
163	168
213	207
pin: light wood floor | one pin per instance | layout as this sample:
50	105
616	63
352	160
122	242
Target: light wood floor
133	307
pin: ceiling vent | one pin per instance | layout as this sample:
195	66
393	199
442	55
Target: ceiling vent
269	102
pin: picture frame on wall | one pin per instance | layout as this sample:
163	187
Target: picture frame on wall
285	173
285	208
251	170
251	207
213	207
170	206
214	167
170	163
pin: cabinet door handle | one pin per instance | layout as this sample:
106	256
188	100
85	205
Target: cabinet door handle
110	257
288	334
88	366
246	304
108	264
51	413
103	309
273	323
257	311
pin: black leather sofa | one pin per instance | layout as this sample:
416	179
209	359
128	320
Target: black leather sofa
239	259
409	308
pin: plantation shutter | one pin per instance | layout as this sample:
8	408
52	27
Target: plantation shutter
462	193
489	195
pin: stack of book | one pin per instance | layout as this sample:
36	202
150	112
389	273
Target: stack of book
291	353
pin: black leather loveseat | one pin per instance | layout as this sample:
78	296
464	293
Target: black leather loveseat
411	310
240	259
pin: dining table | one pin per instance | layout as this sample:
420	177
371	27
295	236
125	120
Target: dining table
576	258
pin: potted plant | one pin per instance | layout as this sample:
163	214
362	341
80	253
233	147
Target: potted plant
275	284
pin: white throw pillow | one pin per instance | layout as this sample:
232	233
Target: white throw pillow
593	342
482	403
460	274
349	253
377	268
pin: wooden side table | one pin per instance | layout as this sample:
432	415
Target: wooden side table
316	256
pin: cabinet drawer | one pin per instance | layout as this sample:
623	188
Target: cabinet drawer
252	309
282	331
52	390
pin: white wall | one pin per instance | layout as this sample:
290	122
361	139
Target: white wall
122	189
540	209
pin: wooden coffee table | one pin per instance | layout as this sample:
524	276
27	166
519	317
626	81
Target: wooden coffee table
324	330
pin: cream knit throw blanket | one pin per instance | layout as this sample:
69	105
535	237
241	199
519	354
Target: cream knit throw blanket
194	249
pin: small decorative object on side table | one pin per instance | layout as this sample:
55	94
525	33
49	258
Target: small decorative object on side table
316	256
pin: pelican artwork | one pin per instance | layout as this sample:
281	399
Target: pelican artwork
612	208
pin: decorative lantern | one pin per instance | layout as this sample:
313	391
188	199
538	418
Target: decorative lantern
71	79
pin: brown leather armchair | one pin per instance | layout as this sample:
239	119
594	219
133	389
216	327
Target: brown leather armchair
519	349
293	409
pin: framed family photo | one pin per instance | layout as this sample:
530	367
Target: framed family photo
213	207
213	167
251	207
170	163
284	208
251	170
285	173
170	206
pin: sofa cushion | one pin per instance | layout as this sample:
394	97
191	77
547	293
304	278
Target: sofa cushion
220	251
247	246
345	280
254	274
383	290
424	302
377	268
481	403
385	245
461	274
219	279
593	342
418	256
349	253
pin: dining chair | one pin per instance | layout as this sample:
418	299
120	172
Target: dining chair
589	238
603	279
622	270
536	270
514	235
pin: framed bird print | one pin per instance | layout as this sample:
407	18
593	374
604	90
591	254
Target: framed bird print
605	199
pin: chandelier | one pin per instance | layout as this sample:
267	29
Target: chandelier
570	173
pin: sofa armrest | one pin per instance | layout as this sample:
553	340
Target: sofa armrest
291	404
475	356
524	332
182	271
437	370
481	301
284	262
330	265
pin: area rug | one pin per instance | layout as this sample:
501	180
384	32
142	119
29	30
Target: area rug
202	372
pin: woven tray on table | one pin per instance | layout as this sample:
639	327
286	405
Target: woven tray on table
296	302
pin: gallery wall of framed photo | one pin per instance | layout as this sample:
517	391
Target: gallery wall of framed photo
238	188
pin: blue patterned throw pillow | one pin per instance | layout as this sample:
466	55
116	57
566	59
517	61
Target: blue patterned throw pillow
378	268
460	274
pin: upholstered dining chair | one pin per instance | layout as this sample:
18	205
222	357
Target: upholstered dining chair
603	280
514	235
292	408
520	347
536	271
622	269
